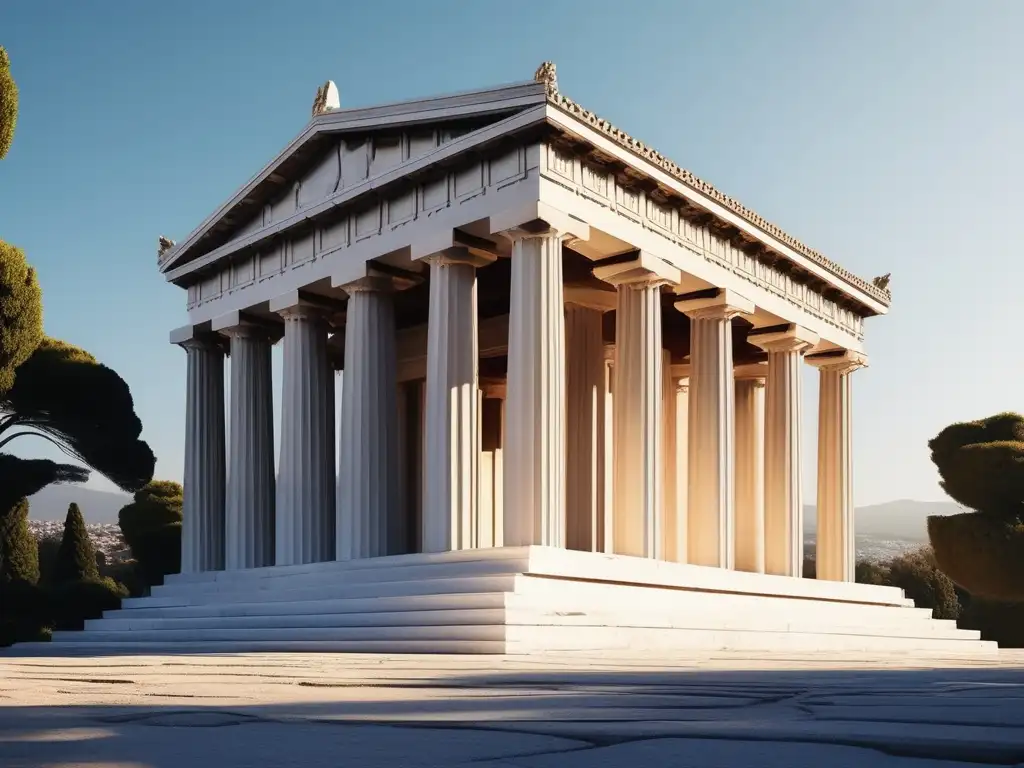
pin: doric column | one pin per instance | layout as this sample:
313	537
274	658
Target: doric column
836	544
490	528
452	429
585	423
368	495
535	434
249	525
306	471
202	525
667	464
783	471
676	524
750	468
712	427
638	501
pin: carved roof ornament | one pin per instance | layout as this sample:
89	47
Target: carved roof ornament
327	99
546	74
882	282
164	244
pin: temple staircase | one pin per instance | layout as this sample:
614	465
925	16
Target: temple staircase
513	600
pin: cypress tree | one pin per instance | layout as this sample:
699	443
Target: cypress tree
19	554
76	559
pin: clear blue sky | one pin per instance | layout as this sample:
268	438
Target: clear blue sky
885	134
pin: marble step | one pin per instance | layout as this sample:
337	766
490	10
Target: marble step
92	648
533	614
528	640
532	639
329	591
387	562
327	575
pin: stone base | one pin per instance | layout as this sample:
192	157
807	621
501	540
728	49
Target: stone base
515	600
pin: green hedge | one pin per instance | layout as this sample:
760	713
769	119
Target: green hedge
981	553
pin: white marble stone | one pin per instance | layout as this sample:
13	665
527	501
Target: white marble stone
836	554
306	481
452	407
368	437
249	524
202	525
711	504
535	437
750	474
783	463
585	440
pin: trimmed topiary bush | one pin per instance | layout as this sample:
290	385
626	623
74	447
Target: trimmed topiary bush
982	553
151	525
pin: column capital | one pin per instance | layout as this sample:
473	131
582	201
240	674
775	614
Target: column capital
537	219
370	283
641	270
589	298
241	325
838	360
460	255
715	303
301	304
192	337
785	338
753	372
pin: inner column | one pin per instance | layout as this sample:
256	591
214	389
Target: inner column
712	427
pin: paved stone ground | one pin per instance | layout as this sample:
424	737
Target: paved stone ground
365	711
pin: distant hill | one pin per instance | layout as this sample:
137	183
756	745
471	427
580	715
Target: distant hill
52	502
904	519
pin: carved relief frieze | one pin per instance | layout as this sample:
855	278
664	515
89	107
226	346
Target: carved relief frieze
627	198
366	218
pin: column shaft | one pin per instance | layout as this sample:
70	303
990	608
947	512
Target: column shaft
202	525
836	555
667	463
249	526
712	428
306	472
676	548
535	406
783	461
453	446
750	475
585	406
368	441
492	420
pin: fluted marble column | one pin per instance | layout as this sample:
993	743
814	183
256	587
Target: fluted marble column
202	525
675	548
585	425
750	470
490	528
836	543
638	500
712	427
368	479
306	471
452	417
249	525
535	437
668	525
783	462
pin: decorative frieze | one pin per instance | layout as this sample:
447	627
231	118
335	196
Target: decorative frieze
626	198
367	217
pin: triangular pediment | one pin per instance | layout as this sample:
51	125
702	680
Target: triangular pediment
343	149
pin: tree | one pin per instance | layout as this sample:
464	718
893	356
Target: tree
918	575
76	559
19	556
151	526
8	104
981	464
64	395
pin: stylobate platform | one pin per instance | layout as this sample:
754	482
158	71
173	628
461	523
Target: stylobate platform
516	601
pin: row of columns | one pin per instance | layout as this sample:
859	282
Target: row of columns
551	406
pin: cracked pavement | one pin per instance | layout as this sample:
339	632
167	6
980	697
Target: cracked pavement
702	711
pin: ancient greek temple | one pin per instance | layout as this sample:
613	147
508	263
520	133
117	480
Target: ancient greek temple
571	400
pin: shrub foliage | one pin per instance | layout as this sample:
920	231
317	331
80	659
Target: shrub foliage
151	525
76	558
